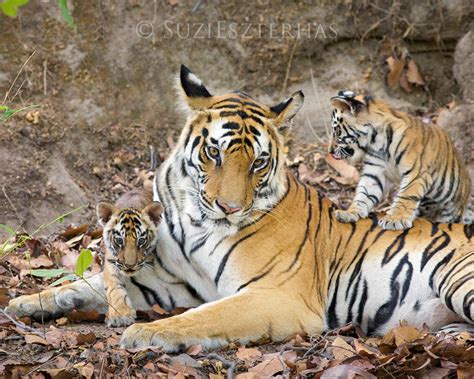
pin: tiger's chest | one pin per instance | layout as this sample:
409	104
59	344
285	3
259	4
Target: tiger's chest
195	253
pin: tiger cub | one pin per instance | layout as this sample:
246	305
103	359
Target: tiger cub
434	182
130	236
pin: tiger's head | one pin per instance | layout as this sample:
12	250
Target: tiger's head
352	125
130	234
232	151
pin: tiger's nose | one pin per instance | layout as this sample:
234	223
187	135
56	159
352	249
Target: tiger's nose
228	208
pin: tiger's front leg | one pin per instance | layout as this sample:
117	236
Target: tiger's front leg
247	316
121	311
54	302
403	210
369	191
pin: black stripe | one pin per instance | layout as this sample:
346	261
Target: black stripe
363	301
395	247
149	294
231	126
224	260
376	179
256	278
194	292
196	245
306	234
441	285
431	250
441	263
466	306
448	298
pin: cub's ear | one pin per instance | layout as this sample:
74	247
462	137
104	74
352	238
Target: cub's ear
104	211
154	211
348	101
287	109
194	94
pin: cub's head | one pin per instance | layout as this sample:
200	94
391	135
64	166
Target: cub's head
352	124
233	151
130	234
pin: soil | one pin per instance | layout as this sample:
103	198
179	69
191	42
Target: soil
106	88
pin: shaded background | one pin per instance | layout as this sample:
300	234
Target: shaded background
106	88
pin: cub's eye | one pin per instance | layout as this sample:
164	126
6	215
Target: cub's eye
259	163
141	241
213	152
119	241
337	132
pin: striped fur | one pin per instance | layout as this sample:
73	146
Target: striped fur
434	182
274	261
130	236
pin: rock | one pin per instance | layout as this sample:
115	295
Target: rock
458	123
464	65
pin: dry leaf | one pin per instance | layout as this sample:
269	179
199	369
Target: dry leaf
401	335
86	339
367	74
86	370
341	349
346	372
349	173
364	350
156	308
310	177
395	69
85	316
20	263
247	354
268	367
194	350
61	321
33	117
317	157
34	338
405	84
413	74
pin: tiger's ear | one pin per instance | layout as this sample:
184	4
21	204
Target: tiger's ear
347	101
284	112
194	94
154	211
104	211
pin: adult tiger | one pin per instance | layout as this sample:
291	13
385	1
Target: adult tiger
266	252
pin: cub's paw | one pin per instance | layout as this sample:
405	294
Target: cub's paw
347	216
30	305
121	317
391	222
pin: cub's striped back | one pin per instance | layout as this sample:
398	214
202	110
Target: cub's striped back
434	182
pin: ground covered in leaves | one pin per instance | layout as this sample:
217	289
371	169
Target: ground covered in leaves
81	345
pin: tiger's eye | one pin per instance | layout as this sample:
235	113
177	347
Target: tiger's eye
213	152
141	241
259	163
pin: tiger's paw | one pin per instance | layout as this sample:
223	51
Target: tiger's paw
347	216
32	306
392	222
151	334
122	316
